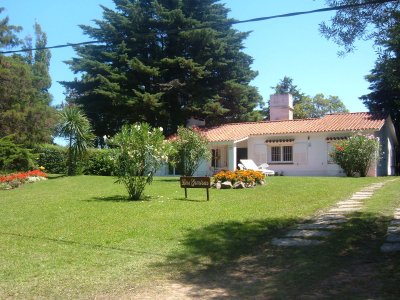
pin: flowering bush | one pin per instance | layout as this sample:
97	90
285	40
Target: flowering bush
356	154
139	151
190	149
12	181
248	177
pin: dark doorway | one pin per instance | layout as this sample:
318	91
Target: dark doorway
241	153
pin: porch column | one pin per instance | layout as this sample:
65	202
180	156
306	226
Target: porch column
232	157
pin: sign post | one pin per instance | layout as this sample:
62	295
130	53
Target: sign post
188	182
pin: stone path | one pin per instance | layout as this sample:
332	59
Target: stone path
314	232
392	243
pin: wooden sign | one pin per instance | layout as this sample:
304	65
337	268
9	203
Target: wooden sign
188	182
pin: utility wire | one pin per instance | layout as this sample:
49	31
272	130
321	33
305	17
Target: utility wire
326	9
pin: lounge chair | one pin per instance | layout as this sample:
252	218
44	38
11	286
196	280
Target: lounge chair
249	164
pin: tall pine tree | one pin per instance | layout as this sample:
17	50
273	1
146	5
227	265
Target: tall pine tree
163	62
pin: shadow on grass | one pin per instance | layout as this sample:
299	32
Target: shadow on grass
119	198
55	176
236	260
167	179
190	200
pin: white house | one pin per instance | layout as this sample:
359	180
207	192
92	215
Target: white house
296	147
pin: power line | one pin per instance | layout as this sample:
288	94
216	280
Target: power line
326	9
315	11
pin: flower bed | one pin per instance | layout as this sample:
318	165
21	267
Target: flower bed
239	178
12	181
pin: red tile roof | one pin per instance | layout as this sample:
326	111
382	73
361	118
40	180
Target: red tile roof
329	123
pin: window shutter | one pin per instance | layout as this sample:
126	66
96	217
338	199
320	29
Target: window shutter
300	153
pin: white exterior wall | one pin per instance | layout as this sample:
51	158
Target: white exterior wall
310	155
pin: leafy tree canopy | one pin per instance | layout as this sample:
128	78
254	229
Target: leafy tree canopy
286	86
25	108
8	33
305	106
162	62
384	79
364	22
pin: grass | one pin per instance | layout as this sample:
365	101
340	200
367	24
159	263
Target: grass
77	237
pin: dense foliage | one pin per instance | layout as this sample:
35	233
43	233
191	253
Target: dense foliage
191	149
140	151
305	106
365	22
384	79
52	158
162	62
99	162
13	156
24	98
356	154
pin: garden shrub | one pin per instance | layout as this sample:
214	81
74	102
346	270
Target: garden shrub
190	149
356	154
52	158
140	151
99	162
14	157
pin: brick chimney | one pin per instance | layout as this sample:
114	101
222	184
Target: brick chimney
281	107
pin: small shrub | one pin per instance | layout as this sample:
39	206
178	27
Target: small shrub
356	154
139	153
190	148
52	158
99	162
14	157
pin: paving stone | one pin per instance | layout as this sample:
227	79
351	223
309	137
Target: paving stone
344	210
395	222
363	193
393	238
349	202
394	229
314	226
350	206
331	221
288	242
390	247
331	216
360	197
307	233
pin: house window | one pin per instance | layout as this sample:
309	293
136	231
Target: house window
330	150
215	158
282	154
287	153
275	154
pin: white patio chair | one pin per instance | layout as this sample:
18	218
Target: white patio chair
249	164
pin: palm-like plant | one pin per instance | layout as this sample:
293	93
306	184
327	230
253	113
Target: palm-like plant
75	127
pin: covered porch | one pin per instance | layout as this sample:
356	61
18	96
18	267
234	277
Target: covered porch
226	155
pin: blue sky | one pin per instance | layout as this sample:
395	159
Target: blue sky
288	46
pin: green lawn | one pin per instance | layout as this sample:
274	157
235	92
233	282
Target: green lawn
77	237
